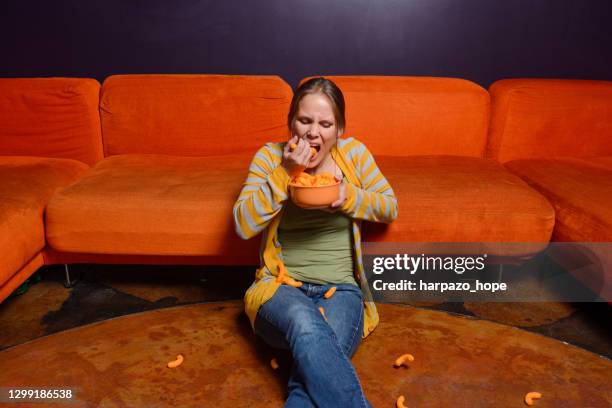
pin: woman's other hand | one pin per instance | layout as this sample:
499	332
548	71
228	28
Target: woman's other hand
296	160
335	206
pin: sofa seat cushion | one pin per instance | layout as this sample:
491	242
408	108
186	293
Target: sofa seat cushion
579	190
604	162
151	205
26	185
461	199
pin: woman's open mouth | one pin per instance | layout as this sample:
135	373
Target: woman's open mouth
317	148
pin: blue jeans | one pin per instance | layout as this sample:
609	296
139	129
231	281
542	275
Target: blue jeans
322	374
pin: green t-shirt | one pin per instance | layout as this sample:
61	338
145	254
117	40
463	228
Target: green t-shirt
317	246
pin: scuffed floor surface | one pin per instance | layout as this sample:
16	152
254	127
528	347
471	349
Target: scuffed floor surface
459	362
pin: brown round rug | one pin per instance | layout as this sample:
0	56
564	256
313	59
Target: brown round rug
459	362
522	314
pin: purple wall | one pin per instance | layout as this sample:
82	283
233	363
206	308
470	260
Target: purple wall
480	40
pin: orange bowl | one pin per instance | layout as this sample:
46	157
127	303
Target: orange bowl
314	196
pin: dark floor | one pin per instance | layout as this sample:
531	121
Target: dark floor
459	362
106	291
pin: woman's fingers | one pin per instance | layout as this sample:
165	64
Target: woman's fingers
290	146
293	155
303	146
296	154
303	152
341	196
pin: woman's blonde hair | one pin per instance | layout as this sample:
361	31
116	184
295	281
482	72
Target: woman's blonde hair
323	86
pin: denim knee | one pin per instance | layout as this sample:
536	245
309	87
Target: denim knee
269	333
304	322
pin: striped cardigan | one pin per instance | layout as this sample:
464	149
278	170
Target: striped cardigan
260	206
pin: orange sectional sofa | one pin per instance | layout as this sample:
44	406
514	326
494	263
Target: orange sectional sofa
146	168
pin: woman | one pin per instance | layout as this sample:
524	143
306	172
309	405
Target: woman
321	248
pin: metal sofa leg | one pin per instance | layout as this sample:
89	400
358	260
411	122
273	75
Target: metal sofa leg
68	283
500	272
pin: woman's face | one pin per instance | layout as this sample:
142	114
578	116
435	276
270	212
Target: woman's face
316	123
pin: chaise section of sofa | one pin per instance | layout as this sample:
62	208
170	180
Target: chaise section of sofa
26	185
49	134
177	151
557	136
428	136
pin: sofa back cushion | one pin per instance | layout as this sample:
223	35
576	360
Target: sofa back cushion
50	117
192	115
400	116
548	118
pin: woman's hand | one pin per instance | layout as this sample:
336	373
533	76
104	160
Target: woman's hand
297	160
335	206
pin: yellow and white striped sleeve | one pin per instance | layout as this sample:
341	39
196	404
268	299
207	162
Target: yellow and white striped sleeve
263	193
375	200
